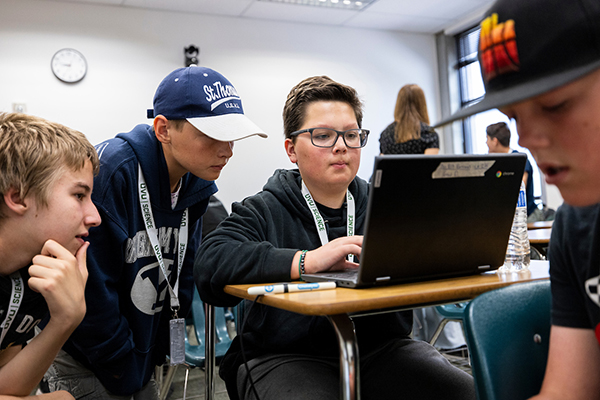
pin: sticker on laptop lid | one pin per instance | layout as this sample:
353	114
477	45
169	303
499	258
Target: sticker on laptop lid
461	169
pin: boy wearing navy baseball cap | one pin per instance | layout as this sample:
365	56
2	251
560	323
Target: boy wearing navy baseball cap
540	62
153	187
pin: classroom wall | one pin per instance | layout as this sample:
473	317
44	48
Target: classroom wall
129	51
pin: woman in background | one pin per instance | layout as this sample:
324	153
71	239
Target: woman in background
410	132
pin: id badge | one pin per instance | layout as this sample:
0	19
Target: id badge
177	336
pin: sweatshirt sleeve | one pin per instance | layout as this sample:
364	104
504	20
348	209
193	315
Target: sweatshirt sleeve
104	337
247	247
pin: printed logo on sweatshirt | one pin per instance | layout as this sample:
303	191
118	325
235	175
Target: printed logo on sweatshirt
148	294
100	148
591	288
139	246
144	293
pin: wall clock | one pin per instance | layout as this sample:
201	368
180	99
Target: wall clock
69	65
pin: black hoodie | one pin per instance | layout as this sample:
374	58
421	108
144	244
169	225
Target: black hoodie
256	244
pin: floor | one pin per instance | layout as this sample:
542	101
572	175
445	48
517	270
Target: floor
195	388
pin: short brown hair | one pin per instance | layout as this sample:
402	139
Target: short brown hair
316	88
33	152
499	131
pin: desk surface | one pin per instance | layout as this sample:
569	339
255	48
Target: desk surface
539	225
408	295
540	235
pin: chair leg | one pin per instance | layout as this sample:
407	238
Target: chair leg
166	382
438	331
185	382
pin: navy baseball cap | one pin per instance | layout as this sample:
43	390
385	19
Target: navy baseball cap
529	47
207	100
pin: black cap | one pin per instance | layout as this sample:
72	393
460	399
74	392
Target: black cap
529	47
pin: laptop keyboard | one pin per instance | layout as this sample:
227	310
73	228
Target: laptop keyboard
350	274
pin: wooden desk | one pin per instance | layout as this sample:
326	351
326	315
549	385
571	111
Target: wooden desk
540	236
340	305
539	239
539	225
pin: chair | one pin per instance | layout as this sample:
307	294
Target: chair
195	354
449	312
508	332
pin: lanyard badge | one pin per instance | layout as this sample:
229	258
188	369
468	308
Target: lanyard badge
320	223
14	305
176	324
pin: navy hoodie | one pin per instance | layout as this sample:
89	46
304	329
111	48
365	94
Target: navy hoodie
125	331
256	244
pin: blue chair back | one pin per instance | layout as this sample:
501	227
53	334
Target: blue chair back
195	355
508	332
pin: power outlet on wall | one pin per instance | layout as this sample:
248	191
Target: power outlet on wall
19	107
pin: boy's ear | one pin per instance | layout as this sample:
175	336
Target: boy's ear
290	149
160	129
14	201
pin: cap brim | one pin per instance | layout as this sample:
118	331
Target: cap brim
521	92
228	127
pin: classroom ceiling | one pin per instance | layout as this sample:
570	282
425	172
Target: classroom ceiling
419	16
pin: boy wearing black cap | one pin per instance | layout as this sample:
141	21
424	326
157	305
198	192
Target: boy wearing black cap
154	185
541	66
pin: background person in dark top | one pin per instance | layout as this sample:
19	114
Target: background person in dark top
410	132
498	141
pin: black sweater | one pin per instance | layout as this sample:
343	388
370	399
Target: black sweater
256	244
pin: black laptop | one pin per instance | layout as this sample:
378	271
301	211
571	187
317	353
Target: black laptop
432	217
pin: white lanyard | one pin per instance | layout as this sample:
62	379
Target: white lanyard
14	304
320	223
153	236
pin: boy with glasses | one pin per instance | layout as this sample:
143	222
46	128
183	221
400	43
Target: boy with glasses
274	236
46	179
541	66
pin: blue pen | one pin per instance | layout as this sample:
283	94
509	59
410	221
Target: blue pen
290	287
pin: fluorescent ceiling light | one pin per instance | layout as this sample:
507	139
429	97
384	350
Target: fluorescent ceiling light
342	4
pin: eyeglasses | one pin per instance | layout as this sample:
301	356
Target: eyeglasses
325	137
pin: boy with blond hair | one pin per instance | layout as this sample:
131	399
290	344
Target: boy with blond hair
46	180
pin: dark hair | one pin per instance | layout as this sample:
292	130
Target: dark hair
316	88
410	112
499	131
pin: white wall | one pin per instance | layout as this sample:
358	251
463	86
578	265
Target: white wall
129	51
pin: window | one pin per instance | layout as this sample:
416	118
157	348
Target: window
472	91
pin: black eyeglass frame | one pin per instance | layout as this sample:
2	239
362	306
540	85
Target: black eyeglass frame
339	133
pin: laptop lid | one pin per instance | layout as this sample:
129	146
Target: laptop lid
437	216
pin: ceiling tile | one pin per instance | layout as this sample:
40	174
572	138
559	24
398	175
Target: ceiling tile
448	9
375	20
423	16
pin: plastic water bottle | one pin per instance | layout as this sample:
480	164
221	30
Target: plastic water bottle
518	253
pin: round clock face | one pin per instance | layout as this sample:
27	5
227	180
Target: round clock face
69	65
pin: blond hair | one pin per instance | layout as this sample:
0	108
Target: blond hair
410	112
34	152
